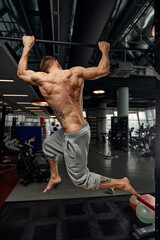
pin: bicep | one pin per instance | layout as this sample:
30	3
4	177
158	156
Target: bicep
87	73
90	73
28	76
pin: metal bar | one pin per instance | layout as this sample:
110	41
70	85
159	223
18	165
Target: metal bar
76	44
52	22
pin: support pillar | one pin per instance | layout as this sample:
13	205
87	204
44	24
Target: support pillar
123	101
13	128
122	126
102	122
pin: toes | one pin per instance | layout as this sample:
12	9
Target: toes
110	190
46	189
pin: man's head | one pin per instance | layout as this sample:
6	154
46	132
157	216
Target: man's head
48	62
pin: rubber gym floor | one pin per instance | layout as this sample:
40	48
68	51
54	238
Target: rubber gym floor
70	213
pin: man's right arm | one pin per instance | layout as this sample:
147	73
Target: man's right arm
22	71
101	70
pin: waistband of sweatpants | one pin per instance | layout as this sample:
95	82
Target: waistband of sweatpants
78	133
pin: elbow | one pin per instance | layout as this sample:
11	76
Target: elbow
104	72
18	74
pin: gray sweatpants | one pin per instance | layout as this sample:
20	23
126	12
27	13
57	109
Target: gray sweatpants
74	147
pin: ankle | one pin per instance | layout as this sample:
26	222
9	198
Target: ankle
122	183
55	177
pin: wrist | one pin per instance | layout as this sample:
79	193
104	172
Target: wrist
27	48
105	52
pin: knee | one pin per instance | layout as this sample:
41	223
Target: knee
77	182
46	149
78	179
44	144
86	180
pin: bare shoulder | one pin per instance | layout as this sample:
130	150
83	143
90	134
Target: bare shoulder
67	72
38	77
77	71
77	76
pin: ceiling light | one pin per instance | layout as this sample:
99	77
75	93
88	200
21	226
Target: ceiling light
32	107
23	103
98	91
39	102
12	115
17	110
14	95
36	110
6	80
52	116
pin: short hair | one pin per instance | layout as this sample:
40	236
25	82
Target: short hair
46	63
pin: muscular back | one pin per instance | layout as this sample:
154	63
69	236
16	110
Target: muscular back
62	89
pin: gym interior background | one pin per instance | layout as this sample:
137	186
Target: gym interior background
122	108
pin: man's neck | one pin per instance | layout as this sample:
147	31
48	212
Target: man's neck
55	68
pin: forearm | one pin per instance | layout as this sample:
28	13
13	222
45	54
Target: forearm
23	63
104	63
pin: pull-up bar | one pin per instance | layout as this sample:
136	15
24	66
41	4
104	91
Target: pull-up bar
76	44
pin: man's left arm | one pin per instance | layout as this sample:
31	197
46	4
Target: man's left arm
101	70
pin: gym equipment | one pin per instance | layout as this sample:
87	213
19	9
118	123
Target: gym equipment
133	202
90	45
13	145
119	132
145	211
28	167
144	231
145	214
145	143
148	200
144	205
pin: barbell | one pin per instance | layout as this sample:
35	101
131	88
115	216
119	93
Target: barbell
77	44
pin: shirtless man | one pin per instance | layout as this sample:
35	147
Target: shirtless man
62	89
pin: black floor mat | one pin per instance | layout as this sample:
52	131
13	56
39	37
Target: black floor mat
102	218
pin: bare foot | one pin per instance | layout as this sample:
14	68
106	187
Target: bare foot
110	190
52	182
126	186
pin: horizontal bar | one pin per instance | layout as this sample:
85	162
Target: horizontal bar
53	42
90	45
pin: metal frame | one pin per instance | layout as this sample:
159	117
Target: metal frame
157	163
55	13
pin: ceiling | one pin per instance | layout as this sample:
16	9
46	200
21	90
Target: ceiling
123	23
